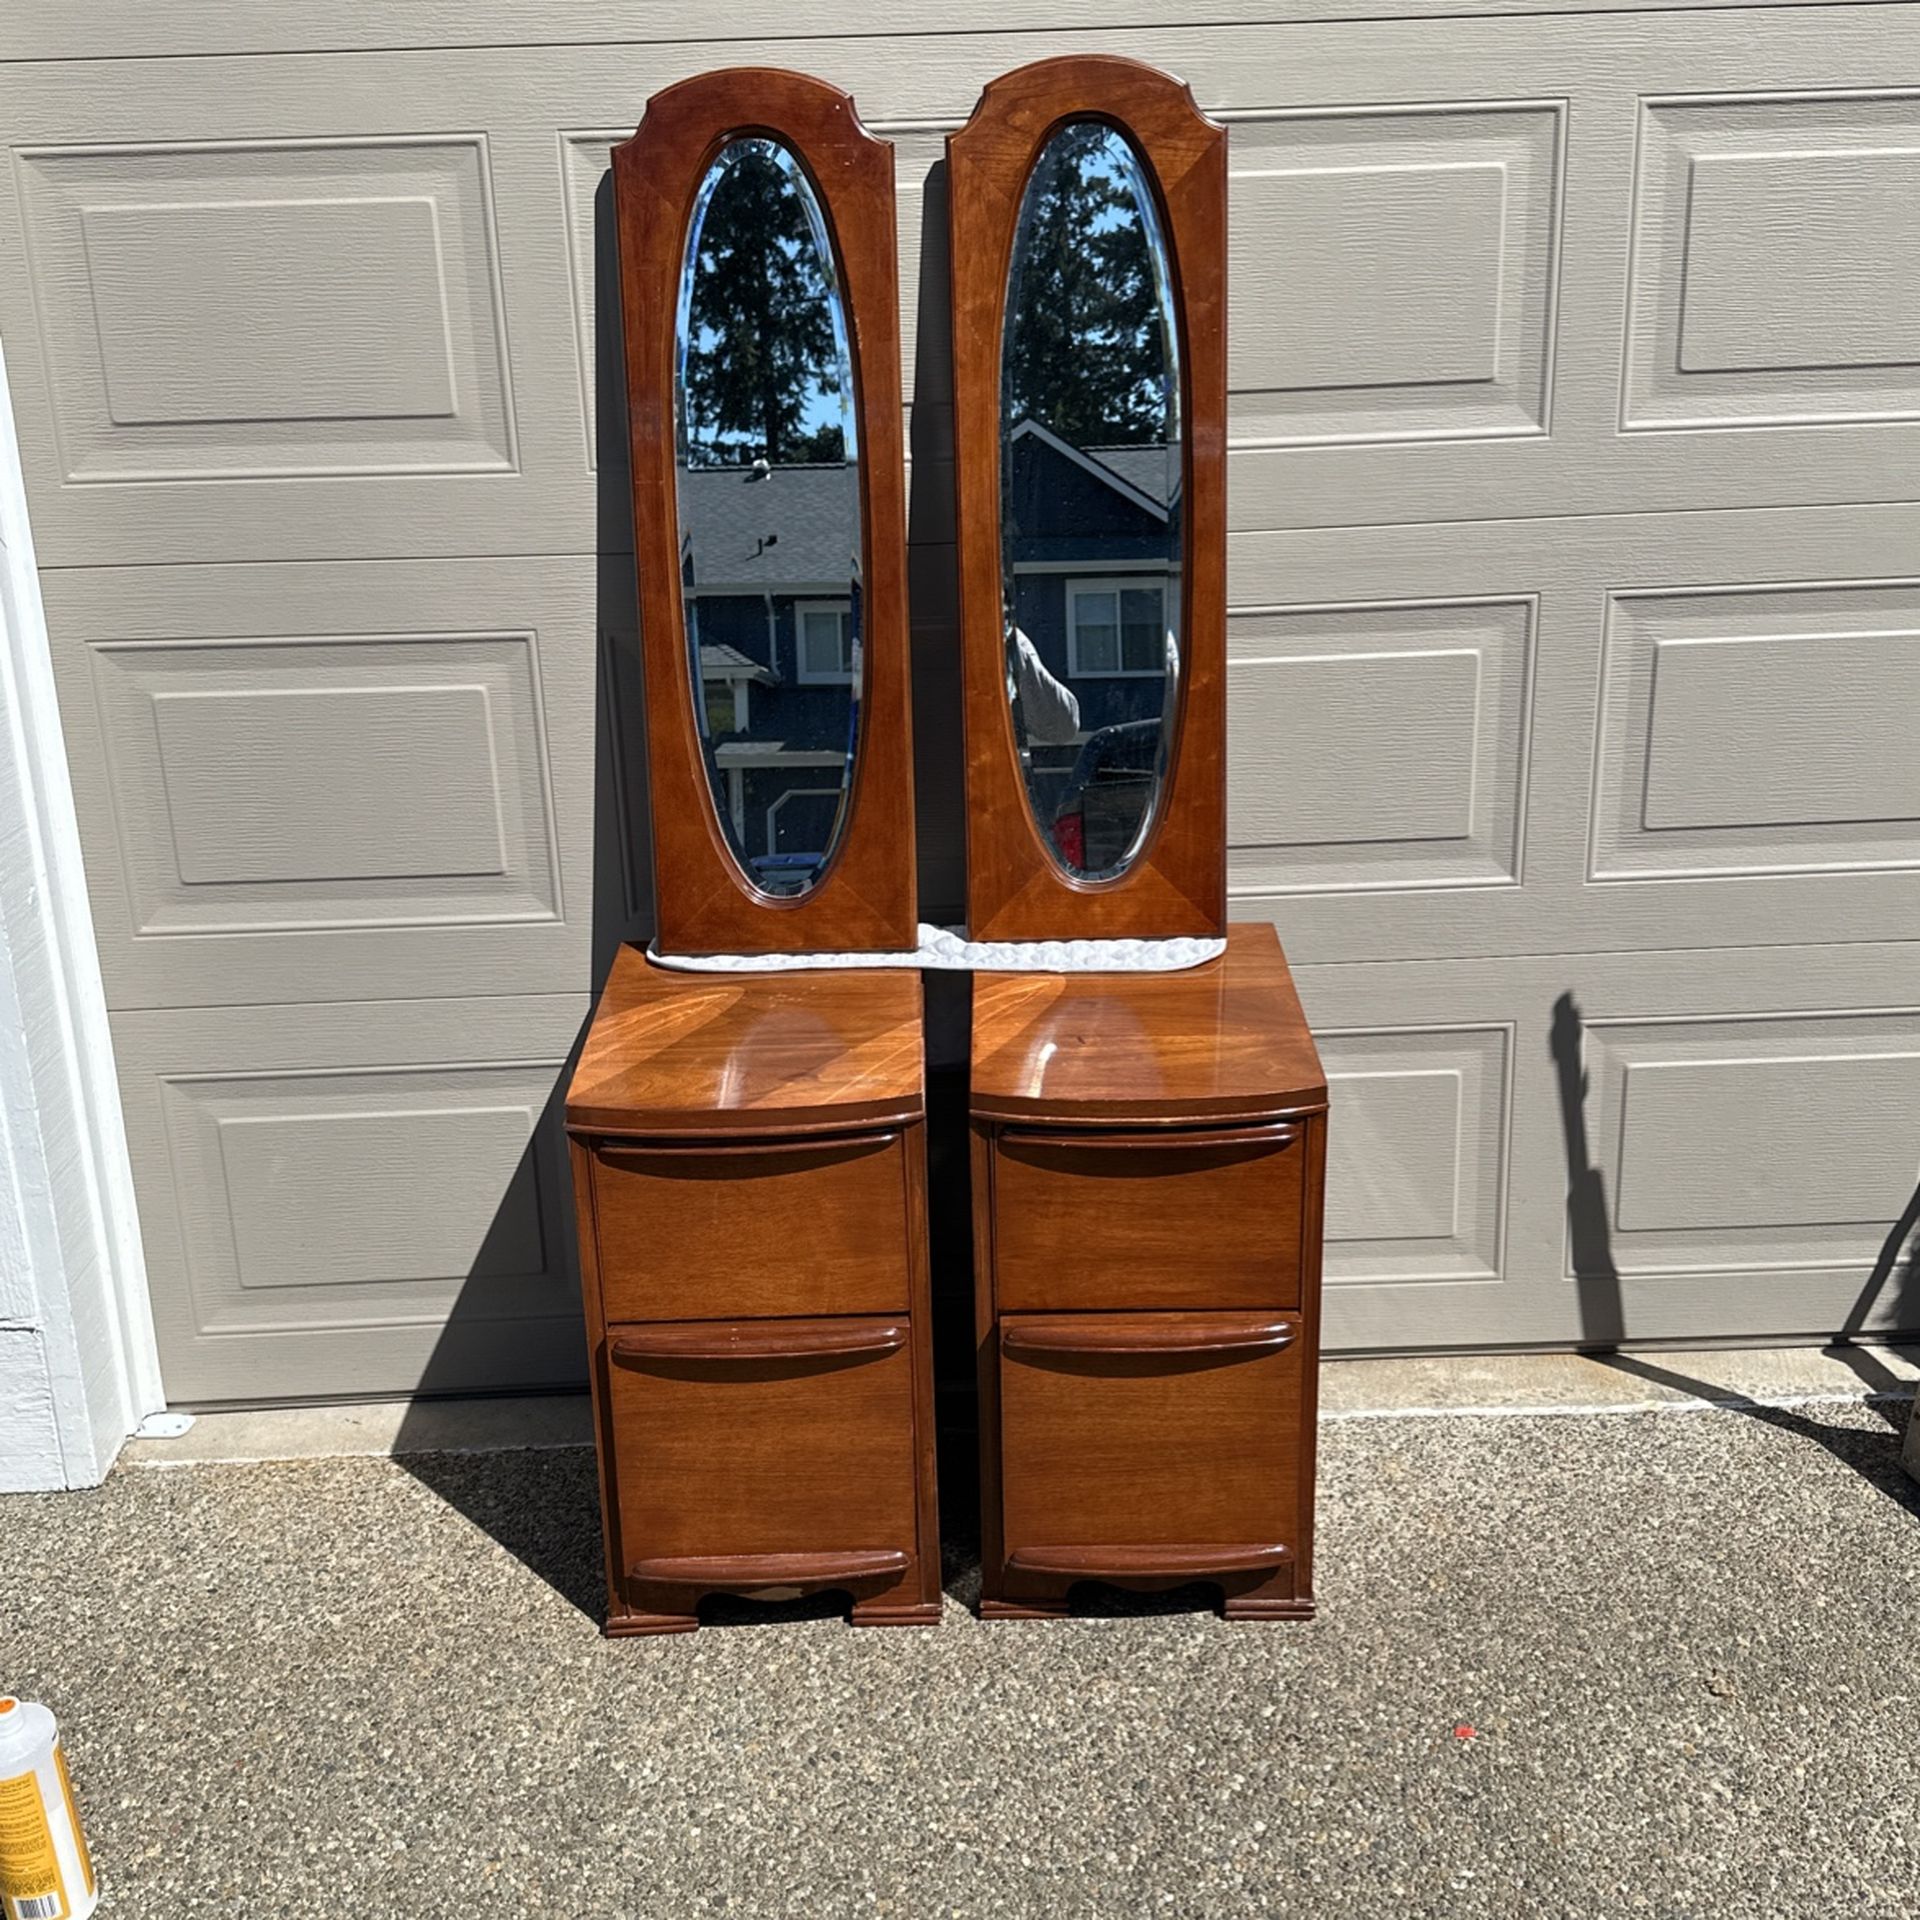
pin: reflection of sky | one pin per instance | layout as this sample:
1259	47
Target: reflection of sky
823	405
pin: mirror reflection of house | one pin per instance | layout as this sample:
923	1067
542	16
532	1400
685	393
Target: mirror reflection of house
773	602
1093	580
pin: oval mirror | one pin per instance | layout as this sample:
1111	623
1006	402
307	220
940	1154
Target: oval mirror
768	490
1090	485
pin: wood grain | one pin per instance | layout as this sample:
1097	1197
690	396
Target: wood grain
752	1053
1016	890
806	1225
1184	1219
1130	1450
767	1455
754	1340
1098	1336
704	903
1224	1041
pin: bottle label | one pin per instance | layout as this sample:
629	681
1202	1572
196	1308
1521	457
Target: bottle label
30	1883
73	1817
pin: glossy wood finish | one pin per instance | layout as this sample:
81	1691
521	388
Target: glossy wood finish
756	1340
1143	1336
1209	1218
742	1455
703	902
751	1053
1177	883
1126	1445
1226	1041
1149	1166
797	1226
755	1276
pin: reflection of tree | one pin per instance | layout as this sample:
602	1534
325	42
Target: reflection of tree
1085	354
763	366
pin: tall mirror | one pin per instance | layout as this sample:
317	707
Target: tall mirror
768	492
759	309
1091	458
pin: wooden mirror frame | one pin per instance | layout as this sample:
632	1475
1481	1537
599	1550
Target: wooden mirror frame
1177	882
865	896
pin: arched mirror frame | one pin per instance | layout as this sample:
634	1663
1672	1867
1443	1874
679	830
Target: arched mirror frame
1176	883
704	903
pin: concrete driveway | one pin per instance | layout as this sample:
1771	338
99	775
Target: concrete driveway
1661	1662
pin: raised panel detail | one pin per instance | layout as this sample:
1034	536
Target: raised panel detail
340	1197
388	781
330	783
1755	1144
1393	273
1759	731
586	162
1776	262
373	346
1416	1154
262	309
1776	282
333	1199
1376	746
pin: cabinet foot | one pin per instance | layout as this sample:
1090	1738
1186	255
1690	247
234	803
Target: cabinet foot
1024	1609
622	1626
1277	1598
915	1613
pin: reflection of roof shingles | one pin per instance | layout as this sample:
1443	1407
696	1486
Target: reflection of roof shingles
1151	468
782	531
719	662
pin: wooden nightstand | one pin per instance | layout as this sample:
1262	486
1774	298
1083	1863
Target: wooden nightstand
749	1164
1148	1154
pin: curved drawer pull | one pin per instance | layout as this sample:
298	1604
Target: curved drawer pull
1148	1563
1160	1333
746	1570
1172	1140
760	1340
618	1151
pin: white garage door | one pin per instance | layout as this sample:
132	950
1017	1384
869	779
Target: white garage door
1574	656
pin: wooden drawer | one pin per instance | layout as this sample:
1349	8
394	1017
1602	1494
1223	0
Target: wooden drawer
1184	1218
1158	1445
763	1455
737	1229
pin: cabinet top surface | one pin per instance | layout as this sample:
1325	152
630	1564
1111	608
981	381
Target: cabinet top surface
750	1052
1223	1041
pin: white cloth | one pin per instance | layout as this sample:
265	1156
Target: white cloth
942	949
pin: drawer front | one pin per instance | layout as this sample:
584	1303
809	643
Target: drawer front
1171	1441
1183	1219
744	1228
737	1442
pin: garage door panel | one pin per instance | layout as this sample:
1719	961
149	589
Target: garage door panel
1654	732
252	309
1428	701
306	782
1735	1133
1777	262
1416	1183
1392	272
1759	732
1432	227
356	1199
